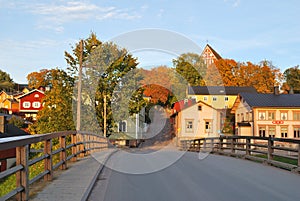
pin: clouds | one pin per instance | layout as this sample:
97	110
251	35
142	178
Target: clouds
56	14
234	3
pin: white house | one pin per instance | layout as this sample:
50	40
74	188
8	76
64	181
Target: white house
197	121
276	115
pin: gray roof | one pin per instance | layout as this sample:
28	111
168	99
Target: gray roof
13	131
271	100
218	90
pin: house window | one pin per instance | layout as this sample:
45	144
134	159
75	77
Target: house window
26	104
205	98
189	125
262	131
226	98
36	96
208	127
271	115
238	117
214	98
296	116
262	115
272	131
283	116
36	104
199	107
296	132
122	126
284	131
247	116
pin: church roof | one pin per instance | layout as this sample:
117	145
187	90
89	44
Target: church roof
216	54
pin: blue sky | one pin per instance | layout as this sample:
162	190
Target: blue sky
35	34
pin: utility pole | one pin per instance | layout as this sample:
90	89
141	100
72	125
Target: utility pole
79	87
104	114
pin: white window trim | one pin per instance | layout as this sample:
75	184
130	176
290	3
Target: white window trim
33	104
24	104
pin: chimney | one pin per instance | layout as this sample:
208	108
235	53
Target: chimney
276	90
2	124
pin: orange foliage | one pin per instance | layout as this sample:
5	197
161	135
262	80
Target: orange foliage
227	72
37	79
157	83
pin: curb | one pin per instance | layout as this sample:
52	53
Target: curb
91	185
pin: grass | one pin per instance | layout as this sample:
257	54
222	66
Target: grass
280	159
9	183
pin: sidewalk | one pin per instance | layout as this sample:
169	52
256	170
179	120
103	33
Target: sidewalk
76	182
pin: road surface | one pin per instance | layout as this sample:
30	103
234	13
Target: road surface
214	178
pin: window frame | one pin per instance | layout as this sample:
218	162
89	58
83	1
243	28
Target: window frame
284	134
189	125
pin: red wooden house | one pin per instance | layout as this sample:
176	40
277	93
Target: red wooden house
31	102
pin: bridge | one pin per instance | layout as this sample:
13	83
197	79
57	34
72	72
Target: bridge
84	166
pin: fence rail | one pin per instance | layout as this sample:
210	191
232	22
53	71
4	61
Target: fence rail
283	153
71	146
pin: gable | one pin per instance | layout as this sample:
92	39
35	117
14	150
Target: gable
33	93
209	55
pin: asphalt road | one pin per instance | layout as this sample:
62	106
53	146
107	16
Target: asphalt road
214	178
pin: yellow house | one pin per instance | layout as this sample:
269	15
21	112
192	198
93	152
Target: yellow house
11	105
3	96
276	115
218	97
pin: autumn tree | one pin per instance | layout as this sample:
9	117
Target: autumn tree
227	72
38	79
222	73
56	114
292	79
191	67
164	85
6	82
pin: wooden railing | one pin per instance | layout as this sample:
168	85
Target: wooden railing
283	153
72	145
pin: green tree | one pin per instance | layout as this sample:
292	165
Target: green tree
73	59
16	121
191	67
110	66
292	79
6	83
56	114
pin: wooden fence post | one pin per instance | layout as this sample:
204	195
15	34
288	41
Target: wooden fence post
270	148
199	145
48	160
220	144
81	145
233	145
298	155
74	147
212	145
204	144
248	146
22	176
63	155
